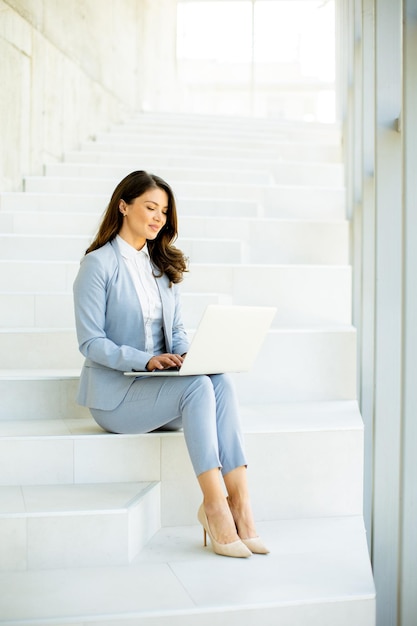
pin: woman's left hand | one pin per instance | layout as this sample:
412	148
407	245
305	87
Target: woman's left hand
164	361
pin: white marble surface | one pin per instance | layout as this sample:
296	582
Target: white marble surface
312	563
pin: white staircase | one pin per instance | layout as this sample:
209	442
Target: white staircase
101	529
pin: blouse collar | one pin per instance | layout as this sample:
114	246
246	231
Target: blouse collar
129	252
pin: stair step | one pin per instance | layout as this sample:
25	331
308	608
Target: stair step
39	348
293	364
313	450
55	526
274	198
288	202
306	295
177	120
56	310
317	574
277	241
303	365
93	206
203	155
317	174
72	248
266	240
78	505
213	174
268	143
208	127
51	392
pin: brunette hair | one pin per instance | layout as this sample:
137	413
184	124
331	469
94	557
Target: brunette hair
167	258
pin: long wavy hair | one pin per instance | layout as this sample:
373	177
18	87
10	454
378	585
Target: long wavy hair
165	256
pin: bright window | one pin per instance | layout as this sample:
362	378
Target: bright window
216	31
285	31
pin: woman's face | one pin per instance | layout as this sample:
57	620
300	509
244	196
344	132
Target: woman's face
144	217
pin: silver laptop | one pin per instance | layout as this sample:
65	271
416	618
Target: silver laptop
228	339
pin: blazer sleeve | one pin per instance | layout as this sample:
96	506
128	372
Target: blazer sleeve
90	302
180	341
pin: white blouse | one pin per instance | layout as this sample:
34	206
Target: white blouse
140	268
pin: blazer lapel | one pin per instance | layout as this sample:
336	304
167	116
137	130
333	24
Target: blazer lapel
167	309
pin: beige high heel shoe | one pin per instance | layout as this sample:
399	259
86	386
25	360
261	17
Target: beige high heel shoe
254	544
235	548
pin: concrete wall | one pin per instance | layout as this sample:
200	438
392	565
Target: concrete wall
68	68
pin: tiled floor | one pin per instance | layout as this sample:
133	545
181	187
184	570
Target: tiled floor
311	561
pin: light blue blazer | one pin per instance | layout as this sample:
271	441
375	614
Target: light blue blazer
110	326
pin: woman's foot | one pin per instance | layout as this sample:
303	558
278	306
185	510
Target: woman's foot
245	525
220	519
234	548
243	518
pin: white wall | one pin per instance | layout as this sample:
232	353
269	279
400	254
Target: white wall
68	68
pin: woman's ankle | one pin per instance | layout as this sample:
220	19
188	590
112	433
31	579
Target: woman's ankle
243	517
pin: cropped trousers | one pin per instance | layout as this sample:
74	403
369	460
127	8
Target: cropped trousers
204	406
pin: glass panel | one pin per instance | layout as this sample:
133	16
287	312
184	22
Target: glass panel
215	31
300	32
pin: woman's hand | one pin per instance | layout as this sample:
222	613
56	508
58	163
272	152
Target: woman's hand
164	361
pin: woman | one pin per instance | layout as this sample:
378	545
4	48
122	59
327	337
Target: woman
128	317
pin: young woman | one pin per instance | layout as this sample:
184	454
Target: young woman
128	317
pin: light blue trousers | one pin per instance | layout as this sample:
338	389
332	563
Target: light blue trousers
204	406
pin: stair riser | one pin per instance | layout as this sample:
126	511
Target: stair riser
297	366
208	127
304	296
56	310
272	197
213	175
316	474
360	613
15	247
40	350
223	140
92	207
42	398
55	541
284	173
265	241
178	122
37	276
70	459
284	203
203	155
292	365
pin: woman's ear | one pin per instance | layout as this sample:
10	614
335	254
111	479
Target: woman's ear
122	207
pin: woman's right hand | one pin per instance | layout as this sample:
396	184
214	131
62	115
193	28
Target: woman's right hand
164	361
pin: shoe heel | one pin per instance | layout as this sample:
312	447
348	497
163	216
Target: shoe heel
204	537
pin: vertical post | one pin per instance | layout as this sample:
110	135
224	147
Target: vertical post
388	306
367	269
408	576
252	62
